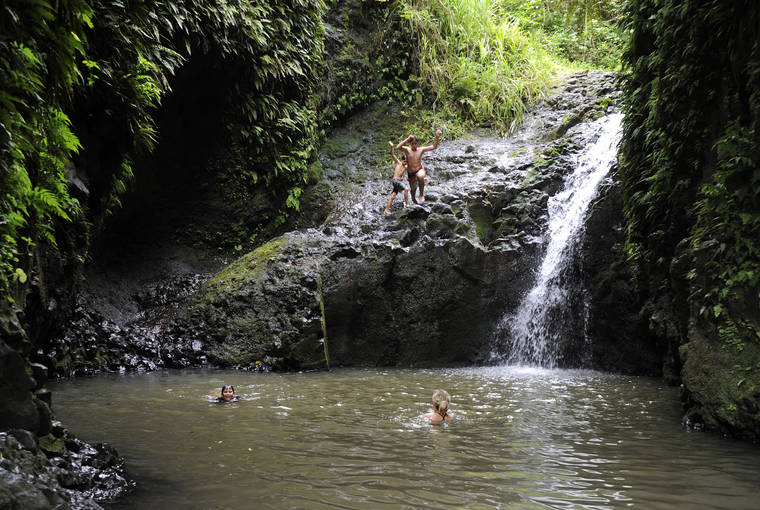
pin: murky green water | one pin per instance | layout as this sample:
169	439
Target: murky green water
351	439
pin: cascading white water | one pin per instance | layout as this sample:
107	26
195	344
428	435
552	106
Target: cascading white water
535	340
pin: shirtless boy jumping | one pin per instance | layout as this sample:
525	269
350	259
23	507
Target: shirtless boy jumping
397	183
415	172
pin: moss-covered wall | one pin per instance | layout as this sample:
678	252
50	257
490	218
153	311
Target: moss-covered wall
691	185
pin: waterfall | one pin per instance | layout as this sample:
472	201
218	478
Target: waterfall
536	328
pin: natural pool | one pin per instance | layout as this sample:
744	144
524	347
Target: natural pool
350	438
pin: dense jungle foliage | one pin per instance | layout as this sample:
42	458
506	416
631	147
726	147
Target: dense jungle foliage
82	82
692	194
484	61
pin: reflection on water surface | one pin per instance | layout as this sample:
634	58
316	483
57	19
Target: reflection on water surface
522	438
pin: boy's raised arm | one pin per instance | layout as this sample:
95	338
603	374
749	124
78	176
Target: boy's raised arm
393	152
438	134
402	142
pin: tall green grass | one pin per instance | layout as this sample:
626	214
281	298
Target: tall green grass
585	32
477	59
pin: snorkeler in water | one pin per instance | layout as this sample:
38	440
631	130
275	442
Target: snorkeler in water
440	412
227	394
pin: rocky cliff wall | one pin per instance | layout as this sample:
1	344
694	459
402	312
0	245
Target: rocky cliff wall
425	285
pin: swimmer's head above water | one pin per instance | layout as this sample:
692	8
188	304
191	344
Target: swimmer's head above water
441	402
228	392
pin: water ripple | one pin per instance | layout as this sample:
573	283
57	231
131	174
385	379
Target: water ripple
521	438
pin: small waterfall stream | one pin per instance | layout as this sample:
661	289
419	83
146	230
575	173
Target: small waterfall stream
537	327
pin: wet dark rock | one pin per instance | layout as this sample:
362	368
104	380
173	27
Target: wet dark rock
39	373
441	208
18	406
44	473
25	438
414	212
621	338
58	430
45	396
93	343
441	225
410	237
44	414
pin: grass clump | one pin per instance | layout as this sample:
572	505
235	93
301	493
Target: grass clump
586	33
478	62
483	61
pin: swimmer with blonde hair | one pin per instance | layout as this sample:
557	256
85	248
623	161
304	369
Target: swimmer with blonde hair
440	413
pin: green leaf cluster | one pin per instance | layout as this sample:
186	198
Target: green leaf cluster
40	43
477	60
486	60
725	241
689	163
81	87
272	115
582	31
367	49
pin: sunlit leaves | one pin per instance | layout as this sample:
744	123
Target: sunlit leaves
40	45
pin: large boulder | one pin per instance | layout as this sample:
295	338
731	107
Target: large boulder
423	286
18	406
263	309
306	301
721	375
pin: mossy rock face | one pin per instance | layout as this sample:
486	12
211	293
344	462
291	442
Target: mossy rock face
721	383
482	217
429	304
234	276
262	309
52	445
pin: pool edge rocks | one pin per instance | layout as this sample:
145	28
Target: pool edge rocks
57	470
